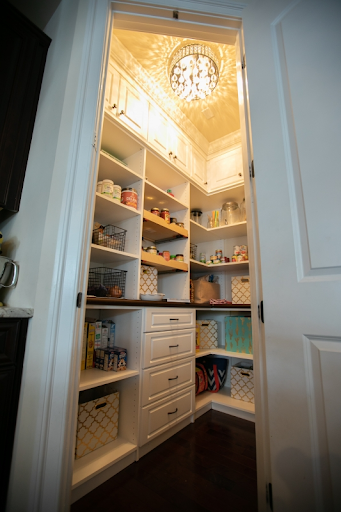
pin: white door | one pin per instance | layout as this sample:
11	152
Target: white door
294	76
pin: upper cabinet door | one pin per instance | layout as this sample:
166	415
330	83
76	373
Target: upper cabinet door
158	131
180	150
133	108
112	90
225	170
198	168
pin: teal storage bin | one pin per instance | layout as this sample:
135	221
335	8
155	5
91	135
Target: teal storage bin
238	334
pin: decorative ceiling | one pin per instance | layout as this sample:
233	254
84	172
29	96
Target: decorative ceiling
218	114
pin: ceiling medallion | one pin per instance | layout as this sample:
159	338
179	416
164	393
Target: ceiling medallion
193	72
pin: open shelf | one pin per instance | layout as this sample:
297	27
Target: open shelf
161	264
228	268
156	229
117	141
105	255
94	377
155	197
109	211
112	169
223	397
222	352
201	234
215	200
97	461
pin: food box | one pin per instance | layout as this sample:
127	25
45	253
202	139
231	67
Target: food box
97	422
238	334
148	279
115	359
208	333
242	387
241	290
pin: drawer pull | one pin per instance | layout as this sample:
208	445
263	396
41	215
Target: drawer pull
174	378
173	346
176	410
174	319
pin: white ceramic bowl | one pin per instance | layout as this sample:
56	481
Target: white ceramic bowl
152	296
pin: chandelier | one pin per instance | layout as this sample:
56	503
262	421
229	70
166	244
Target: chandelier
193	72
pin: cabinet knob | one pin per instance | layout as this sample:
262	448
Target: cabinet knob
175	157
239	174
170	153
114	106
122	112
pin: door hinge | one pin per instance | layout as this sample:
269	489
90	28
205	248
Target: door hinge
94	144
79	300
252	169
175	15
269	495
243	62
261	311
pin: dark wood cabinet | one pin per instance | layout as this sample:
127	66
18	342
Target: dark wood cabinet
23	50
12	349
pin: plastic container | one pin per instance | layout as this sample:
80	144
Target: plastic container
99	187
107	187
116	195
129	197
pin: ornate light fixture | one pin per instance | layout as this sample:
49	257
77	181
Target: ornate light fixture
194	72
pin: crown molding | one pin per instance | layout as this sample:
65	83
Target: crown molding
226	143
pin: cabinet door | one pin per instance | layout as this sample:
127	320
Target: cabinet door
112	90
133	108
163	347
160	416
225	170
198	167
158	131
181	150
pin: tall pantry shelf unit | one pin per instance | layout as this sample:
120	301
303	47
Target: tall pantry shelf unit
135	154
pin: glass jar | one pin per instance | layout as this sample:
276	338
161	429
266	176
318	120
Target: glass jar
230	213
173	220
196	216
165	215
179	257
152	249
155	211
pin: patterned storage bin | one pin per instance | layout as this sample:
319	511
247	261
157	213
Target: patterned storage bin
148	279
97	420
238	334
242	382
241	290
208	333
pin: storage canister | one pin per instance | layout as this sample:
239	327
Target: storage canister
152	249
129	197
116	195
165	215
107	187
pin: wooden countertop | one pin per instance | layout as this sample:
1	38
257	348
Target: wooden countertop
107	301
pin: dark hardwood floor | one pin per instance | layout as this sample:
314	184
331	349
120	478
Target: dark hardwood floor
208	466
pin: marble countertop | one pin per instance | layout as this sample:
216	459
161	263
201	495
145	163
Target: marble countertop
10	312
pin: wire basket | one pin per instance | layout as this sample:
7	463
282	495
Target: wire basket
110	236
107	282
193	251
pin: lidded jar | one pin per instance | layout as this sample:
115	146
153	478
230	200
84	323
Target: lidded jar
230	213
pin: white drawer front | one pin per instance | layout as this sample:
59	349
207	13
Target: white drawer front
158	417
166	379
163	347
166	319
